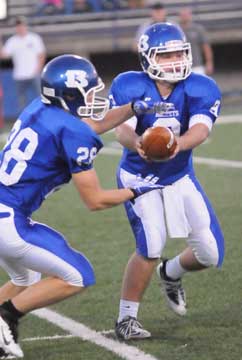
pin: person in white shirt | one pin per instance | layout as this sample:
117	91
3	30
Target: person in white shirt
27	51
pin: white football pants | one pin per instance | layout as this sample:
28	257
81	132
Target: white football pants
147	219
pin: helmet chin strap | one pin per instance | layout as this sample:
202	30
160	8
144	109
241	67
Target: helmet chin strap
63	104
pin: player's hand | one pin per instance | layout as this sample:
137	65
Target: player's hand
139	149
142	185
177	149
141	152
141	190
141	107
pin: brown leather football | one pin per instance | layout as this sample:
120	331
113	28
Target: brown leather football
158	143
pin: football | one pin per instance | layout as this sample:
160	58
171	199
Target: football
158	143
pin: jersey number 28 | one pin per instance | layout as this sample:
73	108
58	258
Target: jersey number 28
23	144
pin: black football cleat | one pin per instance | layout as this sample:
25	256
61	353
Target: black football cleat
173	290
130	329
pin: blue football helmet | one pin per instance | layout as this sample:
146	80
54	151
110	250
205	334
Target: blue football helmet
161	38
71	82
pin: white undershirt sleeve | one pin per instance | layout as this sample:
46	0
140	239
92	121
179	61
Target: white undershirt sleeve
201	119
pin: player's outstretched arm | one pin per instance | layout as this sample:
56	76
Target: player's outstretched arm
96	198
118	115
113	118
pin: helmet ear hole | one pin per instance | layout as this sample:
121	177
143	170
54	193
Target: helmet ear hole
69	97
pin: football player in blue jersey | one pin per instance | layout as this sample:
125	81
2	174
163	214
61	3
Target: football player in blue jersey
190	106
49	145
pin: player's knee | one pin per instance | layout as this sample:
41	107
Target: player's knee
205	248
81	278
149	255
27	279
207	258
80	282
207	254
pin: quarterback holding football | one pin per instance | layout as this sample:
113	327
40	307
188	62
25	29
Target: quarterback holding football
190	104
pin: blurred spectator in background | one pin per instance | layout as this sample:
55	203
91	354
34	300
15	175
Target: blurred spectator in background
122	4
48	7
135	4
73	6
157	14
110	5
96	5
68	6
27	51
78	6
196	35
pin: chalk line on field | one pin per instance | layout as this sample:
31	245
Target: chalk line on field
60	337
218	162
198	160
225	119
229	119
44	338
123	350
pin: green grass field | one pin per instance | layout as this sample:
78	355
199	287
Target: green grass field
212	328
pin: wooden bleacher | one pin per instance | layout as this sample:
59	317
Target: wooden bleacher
114	30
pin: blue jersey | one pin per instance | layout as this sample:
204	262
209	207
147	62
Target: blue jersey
197	95
45	146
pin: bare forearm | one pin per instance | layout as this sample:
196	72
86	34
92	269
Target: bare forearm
108	198
126	136
94	196
41	62
208	53
196	135
112	119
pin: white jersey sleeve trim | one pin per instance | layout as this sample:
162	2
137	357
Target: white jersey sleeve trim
201	119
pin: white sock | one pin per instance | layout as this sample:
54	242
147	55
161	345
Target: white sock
174	269
128	308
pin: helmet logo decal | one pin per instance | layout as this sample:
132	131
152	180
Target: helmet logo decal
143	43
76	78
